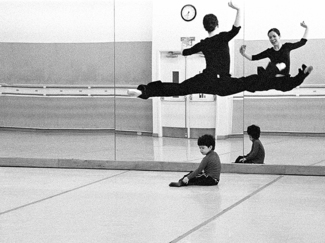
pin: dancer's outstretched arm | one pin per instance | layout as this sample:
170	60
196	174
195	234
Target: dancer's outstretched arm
242	51
303	24
237	22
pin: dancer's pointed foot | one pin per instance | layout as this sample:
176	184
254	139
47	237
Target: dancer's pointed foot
308	70
134	92
305	70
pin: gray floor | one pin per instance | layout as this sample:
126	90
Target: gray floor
79	205
59	205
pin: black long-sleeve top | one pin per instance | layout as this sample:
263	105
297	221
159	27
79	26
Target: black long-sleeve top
282	55
216	51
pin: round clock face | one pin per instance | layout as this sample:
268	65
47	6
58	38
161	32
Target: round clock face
188	12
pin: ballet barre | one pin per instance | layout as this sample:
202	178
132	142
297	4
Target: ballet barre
63	90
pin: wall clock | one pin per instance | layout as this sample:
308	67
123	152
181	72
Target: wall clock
188	12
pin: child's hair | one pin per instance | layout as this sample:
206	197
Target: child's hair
254	131
206	140
210	21
274	30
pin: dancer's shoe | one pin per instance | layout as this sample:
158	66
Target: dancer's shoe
134	92
308	70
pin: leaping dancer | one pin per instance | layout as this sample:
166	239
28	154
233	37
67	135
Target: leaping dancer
215	78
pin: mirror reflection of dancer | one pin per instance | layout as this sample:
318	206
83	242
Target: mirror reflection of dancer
276	75
215	79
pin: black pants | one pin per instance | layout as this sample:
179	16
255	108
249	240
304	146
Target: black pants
286	83
201	180
207	83
210	83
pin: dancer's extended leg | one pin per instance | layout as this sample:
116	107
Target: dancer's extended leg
289	83
206	83
197	84
223	86
255	83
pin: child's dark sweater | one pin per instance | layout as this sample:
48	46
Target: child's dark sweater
211	166
257	153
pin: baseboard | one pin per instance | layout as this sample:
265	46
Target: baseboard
160	166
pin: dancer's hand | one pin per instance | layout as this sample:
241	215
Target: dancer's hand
303	24
242	49
230	4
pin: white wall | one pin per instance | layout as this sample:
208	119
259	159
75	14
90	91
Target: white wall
133	20
286	15
75	21
93	20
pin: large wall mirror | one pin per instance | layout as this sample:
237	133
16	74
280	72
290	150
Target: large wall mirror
66	66
57	82
292	122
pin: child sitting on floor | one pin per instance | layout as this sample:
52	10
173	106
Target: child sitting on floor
208	172
257	153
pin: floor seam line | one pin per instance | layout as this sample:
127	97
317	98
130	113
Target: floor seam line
225	210
59	194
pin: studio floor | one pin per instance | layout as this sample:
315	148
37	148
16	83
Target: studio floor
77	205
82	205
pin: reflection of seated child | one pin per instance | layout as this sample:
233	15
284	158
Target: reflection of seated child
208	172
257	153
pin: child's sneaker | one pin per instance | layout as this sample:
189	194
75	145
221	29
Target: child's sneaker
177	184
